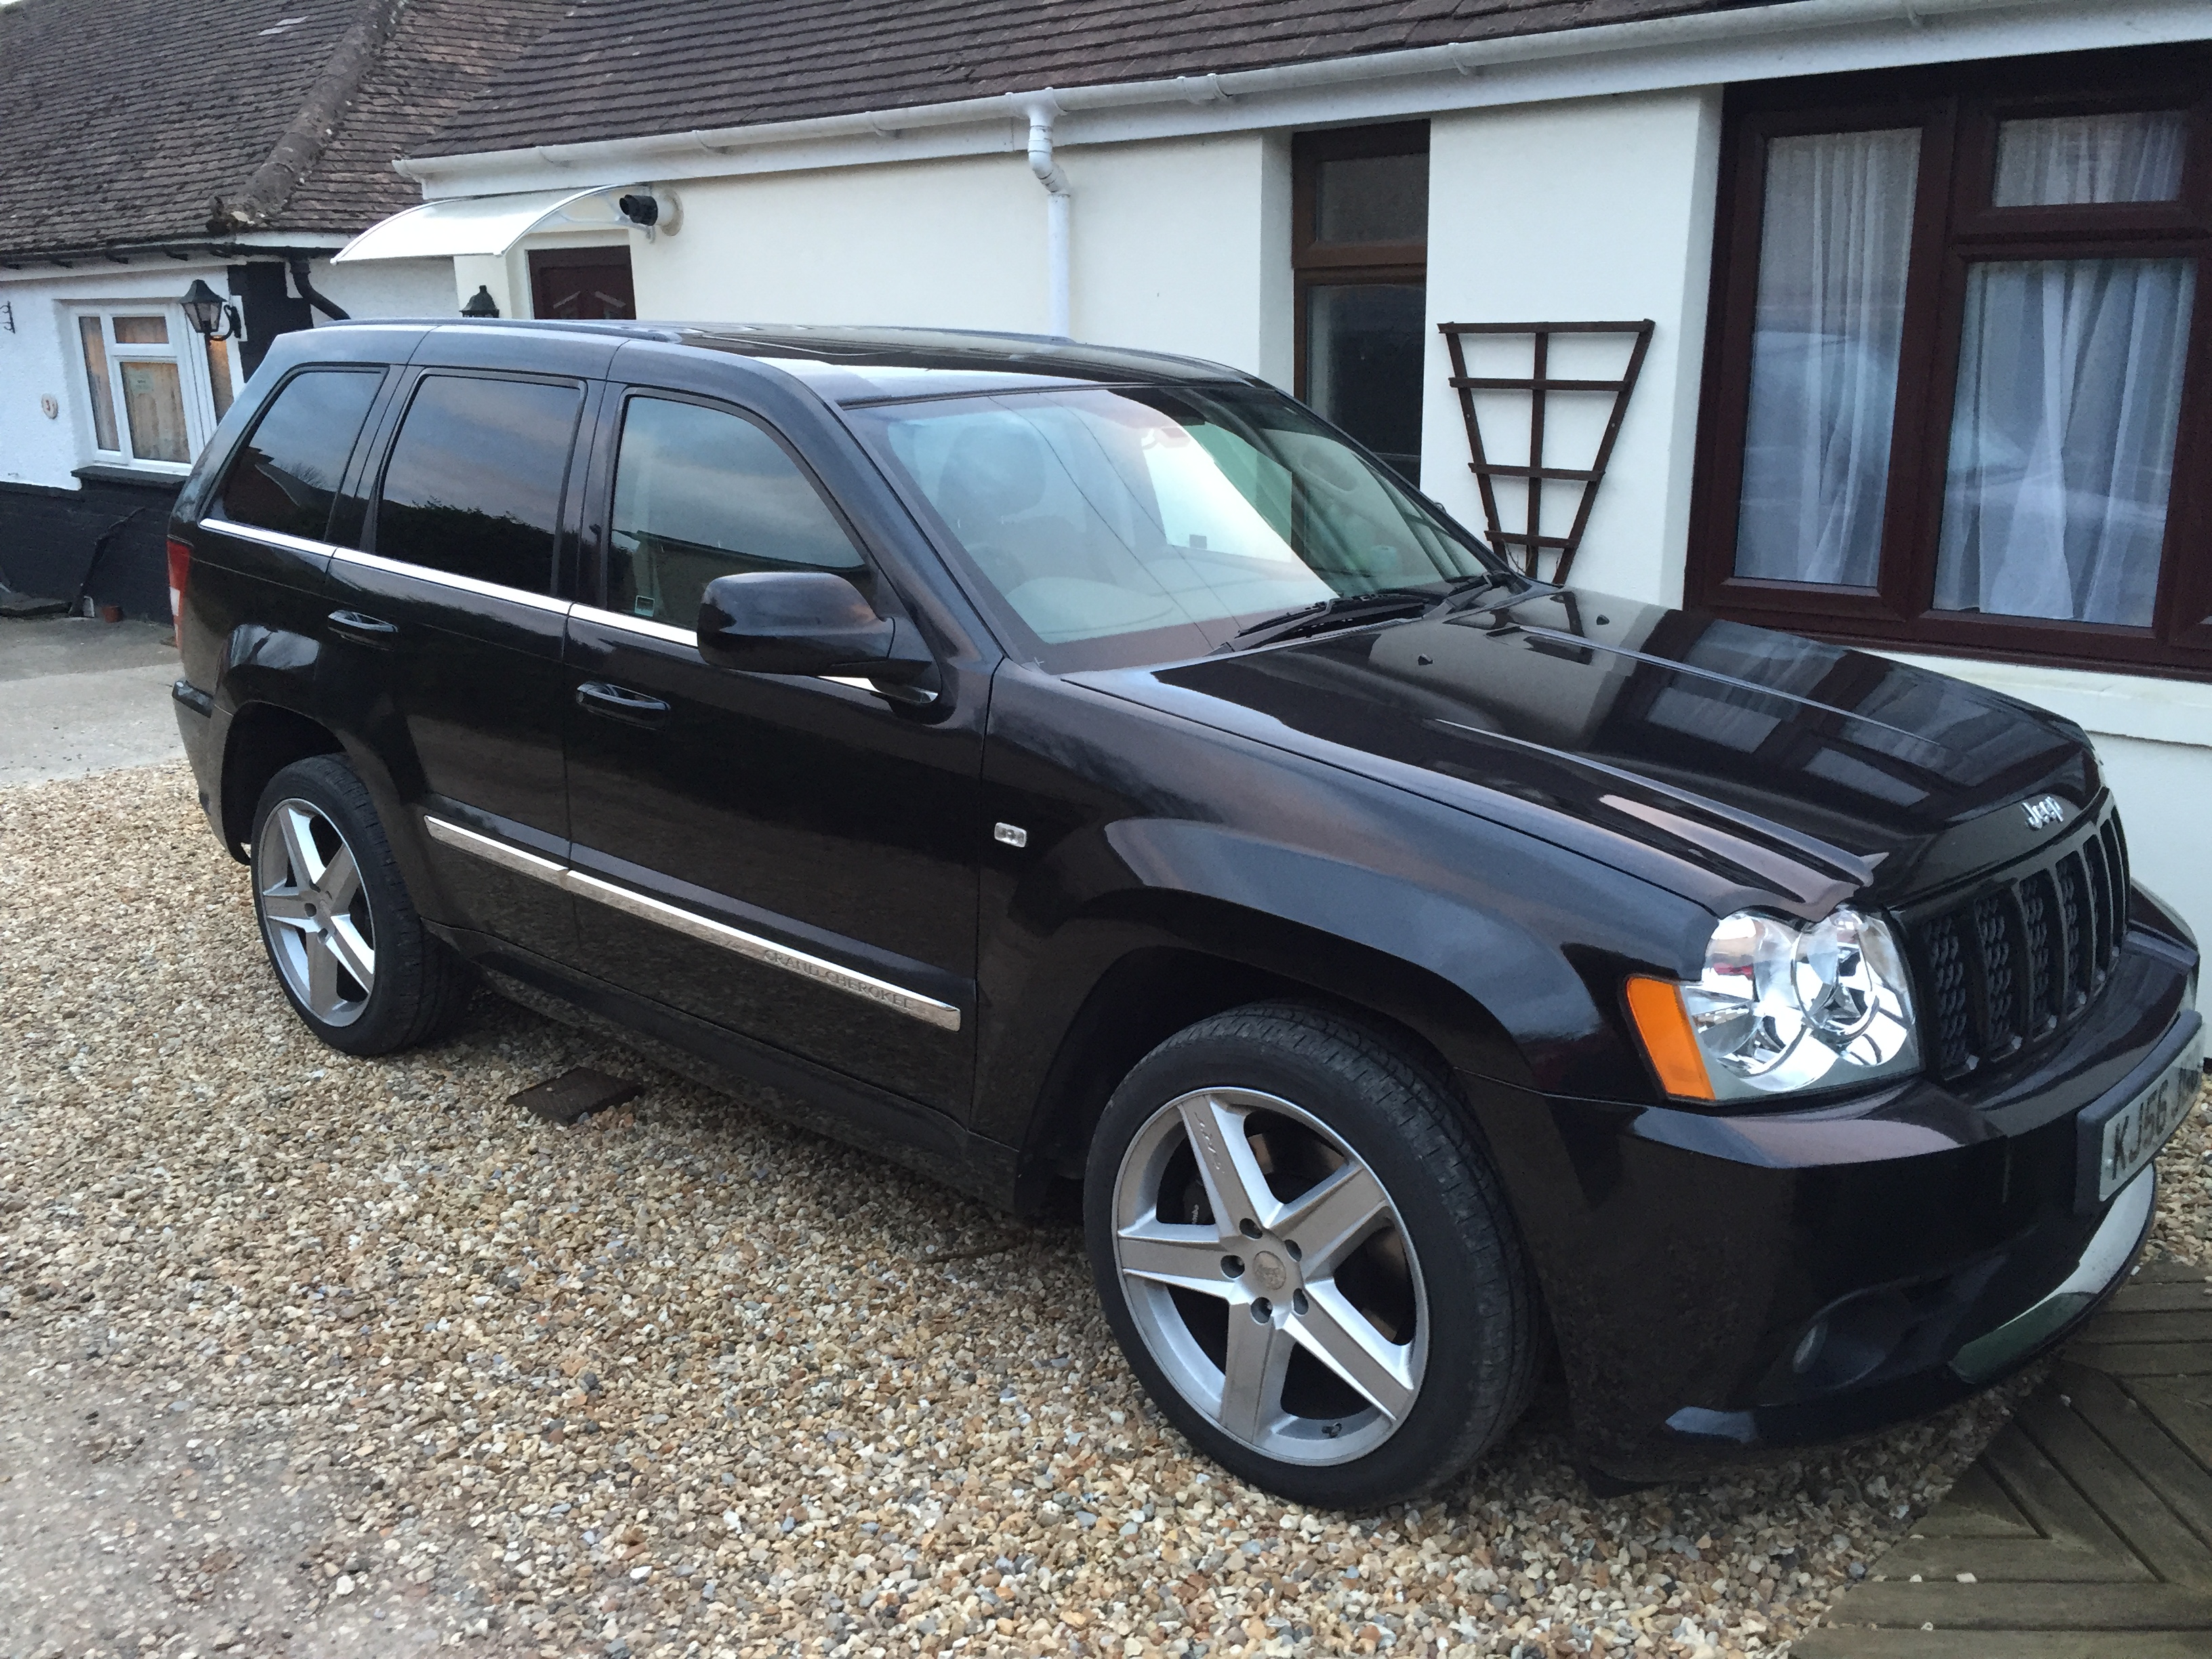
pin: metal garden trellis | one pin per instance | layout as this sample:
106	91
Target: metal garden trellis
1540	384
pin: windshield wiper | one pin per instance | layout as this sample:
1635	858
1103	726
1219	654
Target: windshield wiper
1345	610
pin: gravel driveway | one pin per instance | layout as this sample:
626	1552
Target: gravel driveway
318	1356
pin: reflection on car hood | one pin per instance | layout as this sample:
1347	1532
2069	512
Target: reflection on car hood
1708	755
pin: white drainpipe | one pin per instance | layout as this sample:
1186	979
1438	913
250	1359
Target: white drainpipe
1048	173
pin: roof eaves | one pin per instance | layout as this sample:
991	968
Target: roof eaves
263	197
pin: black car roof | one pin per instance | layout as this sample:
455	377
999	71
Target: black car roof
848	365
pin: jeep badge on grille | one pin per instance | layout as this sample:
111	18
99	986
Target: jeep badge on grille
2043	811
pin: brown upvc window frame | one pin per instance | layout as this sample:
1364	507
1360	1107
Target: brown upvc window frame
1316	264
1956	110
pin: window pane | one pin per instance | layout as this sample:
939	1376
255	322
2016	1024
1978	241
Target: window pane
473	487
2134	156
287	473
141	331
153	404
218	362
1364	348
1372	199
96	375
700	493
1835	241
2062	437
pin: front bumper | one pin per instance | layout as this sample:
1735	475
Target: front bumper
1721	1286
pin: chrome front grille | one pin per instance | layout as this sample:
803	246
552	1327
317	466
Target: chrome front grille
2022	958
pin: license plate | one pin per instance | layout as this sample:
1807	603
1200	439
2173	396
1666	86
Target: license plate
2133	1134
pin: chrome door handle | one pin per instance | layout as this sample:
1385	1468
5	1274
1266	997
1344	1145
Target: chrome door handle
365	630
617	702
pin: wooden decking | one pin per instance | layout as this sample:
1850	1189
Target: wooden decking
2085	1531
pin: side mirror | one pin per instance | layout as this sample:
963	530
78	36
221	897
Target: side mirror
809	621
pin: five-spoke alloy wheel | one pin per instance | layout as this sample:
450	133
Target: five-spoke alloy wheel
1307	1257
1270	1275
321	936
355	959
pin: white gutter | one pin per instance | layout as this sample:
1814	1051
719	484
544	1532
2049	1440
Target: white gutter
1794	37
1049	174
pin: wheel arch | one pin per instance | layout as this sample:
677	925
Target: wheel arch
264	737
1147	987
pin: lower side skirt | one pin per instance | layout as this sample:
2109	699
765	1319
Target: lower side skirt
812	1097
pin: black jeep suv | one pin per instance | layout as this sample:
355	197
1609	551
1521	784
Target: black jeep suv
1055	763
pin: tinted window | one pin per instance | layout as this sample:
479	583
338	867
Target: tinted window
700	493
473	487
288	471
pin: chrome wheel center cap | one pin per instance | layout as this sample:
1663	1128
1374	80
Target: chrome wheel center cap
1269	1272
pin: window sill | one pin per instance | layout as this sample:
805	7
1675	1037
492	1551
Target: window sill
2138	705
141	477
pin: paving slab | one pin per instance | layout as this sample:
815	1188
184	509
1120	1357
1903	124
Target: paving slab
2085	1531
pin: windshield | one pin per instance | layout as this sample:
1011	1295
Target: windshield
1137	524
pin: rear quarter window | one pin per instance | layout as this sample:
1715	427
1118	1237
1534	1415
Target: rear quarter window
289	470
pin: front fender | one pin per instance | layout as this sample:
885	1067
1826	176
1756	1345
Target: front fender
1145	831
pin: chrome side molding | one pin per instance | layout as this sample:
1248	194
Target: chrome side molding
914	1004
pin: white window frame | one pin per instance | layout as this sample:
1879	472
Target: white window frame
184	348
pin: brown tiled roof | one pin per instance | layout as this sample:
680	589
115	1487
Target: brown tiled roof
616	68
135	123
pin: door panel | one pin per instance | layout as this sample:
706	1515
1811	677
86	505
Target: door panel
467	713
801	813
581	282
449	637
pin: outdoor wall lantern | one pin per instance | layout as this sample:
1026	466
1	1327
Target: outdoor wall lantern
209	311
480	304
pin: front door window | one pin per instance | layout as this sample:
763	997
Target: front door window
587	284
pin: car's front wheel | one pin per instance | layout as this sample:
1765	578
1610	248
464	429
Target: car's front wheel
1307	1258
354	960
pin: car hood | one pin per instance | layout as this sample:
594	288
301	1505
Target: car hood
1714	758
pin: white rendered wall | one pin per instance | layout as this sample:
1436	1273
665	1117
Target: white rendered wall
957	244
1177	246
1183	246
385	288
1596	209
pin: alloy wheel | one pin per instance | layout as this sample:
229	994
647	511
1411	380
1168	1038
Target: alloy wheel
315	912
1271	1275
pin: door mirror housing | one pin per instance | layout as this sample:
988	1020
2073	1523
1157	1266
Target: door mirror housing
812	623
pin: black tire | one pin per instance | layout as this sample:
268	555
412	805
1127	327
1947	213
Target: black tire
419	985
1390	1110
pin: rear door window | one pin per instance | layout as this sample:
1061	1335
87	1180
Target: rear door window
286	473
473	487
702	493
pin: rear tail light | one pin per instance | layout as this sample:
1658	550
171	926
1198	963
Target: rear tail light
180	567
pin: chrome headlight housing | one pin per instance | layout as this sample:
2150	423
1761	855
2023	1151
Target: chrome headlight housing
1781	1006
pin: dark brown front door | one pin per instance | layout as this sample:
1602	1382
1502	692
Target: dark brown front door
581	282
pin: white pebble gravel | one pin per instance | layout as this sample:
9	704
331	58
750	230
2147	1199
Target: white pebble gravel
680	1380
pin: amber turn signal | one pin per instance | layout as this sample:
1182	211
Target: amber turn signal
1663	1027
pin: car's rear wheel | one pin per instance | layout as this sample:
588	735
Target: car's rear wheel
1307	1258
352	954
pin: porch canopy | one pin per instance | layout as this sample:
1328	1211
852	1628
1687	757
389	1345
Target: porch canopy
462	225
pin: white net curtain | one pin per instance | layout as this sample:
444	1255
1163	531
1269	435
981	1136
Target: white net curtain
2070	389
1834	249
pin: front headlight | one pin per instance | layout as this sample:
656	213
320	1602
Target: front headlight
1780	1007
